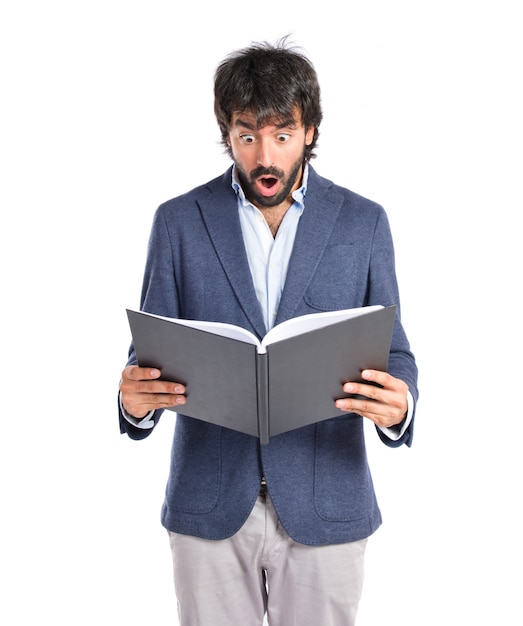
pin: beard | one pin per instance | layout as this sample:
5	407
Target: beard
248	183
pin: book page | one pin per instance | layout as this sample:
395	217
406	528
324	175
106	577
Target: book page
312	321
218	328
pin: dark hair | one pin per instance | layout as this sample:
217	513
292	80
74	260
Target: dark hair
270	81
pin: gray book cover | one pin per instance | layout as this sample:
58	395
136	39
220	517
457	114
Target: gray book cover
235	384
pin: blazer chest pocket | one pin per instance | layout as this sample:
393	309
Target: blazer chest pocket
340	280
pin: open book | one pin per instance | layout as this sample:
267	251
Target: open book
264	388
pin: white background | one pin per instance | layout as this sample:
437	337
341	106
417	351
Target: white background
106	111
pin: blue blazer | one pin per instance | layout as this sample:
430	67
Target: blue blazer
197	268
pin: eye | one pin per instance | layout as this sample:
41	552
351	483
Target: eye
247	138
283	137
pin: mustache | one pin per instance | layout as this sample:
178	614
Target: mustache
266	171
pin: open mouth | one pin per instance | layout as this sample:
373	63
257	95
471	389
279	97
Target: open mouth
268	182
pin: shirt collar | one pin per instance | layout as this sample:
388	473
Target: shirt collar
298	194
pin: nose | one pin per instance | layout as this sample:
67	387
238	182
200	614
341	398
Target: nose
264	156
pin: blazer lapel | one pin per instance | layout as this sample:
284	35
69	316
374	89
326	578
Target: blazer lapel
220	214
319	217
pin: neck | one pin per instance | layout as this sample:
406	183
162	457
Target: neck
274	217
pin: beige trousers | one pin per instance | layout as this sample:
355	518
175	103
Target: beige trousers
261	570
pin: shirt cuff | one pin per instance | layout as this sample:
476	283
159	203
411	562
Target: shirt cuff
396	432
145	423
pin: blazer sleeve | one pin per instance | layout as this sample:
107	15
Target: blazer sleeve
159	296
383	289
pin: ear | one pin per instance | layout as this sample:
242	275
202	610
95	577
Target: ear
309	135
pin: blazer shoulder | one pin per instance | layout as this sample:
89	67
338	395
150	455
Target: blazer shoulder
323	188
220	185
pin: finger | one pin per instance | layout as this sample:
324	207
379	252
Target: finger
161	400
377	412
144	379
383	407
139	404
150	387
376	376
385	380
141	373
362	389
359	405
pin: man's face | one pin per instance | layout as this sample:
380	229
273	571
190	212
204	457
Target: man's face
269	160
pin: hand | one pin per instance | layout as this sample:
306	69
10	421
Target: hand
142	393
385	405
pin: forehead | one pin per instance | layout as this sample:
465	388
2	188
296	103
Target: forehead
255	121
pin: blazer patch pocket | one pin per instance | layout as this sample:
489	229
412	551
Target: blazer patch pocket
194	479
343	490
339	281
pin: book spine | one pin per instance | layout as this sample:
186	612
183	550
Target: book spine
262	384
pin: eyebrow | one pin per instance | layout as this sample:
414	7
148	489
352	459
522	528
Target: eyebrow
288	123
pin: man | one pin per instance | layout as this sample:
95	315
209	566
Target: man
278	528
